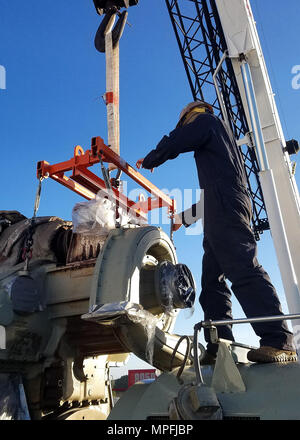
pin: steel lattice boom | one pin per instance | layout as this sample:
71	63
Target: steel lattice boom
202	46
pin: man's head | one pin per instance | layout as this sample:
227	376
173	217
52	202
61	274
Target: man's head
193	106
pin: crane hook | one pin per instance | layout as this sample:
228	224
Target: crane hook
105	27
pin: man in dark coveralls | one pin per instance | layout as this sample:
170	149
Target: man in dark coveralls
229	245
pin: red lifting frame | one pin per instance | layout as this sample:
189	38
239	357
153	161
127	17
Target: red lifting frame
87	184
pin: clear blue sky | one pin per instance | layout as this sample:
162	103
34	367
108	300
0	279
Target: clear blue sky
55	80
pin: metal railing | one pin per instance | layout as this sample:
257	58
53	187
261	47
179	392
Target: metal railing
210	323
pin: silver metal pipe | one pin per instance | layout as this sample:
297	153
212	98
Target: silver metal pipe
219	94
210	323
254	115
273	204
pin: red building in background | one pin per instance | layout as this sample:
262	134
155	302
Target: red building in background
140	376
121	385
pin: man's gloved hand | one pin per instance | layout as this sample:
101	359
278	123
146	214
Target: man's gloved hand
177	222
139	164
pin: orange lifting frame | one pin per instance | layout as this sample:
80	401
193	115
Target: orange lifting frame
87	184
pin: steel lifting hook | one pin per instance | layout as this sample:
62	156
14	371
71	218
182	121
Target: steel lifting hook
106	26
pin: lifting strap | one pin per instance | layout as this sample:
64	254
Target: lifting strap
107	40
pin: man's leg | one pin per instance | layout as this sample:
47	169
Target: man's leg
234	246
215	296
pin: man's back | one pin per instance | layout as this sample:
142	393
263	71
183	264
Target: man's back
219	159
216	153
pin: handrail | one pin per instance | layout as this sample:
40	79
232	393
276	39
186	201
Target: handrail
210	323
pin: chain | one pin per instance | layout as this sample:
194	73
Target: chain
105	174
27	249
108	185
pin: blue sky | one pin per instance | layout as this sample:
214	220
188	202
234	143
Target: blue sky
52	102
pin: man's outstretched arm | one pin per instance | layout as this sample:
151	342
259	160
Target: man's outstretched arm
181	140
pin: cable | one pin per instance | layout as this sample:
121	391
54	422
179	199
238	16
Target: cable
199	377
187	352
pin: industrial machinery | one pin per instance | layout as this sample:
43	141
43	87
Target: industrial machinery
76	300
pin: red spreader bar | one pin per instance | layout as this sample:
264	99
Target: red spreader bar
87	184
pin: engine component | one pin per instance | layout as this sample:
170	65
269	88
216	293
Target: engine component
131	304
173	285
195	402
260	401
292	147
84	300
12	398
24	294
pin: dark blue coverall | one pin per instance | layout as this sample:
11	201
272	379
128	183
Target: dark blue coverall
230	250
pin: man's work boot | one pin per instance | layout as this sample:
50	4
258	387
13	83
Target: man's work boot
208	359
271	354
